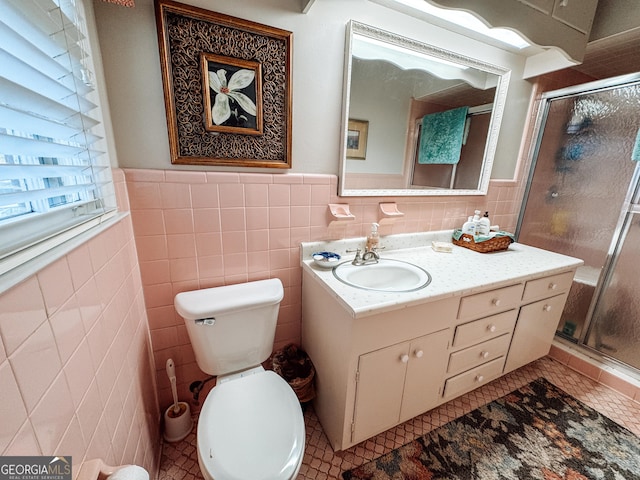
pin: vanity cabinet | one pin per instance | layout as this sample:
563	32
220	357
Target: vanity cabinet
397	383
380	362
375	371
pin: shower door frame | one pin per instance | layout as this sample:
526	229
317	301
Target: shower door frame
628	207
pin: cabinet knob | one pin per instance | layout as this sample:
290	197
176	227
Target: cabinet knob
553	286
491	328
418	353
479	378
547	308
404	358
484	354
496	302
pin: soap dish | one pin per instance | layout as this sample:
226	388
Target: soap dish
443	247
326	259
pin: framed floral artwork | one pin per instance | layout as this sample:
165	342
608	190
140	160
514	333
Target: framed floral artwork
227	88
232	104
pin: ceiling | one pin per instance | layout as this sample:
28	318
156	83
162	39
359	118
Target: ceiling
611	56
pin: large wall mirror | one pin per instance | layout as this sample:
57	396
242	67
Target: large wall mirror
418	120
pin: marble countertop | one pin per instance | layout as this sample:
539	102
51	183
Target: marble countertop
460	272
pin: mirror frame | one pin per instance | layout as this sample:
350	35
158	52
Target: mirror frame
354	27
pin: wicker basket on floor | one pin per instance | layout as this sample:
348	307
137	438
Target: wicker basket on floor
294	365
495	244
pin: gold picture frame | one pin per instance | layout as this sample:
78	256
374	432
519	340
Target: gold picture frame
192	41
232	93
357	134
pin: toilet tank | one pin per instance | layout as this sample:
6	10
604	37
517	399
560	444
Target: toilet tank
231	328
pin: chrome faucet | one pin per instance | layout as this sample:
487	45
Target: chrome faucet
369	257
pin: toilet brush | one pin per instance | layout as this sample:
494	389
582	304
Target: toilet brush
177	418
171	373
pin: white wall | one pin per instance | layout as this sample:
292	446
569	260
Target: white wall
372	98
128	42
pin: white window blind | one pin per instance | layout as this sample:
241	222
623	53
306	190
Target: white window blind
55	179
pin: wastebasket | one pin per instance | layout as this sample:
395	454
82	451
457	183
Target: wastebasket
294	365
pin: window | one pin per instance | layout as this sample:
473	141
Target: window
55	178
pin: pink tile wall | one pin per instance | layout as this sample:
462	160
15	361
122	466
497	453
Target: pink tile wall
75	359
197	229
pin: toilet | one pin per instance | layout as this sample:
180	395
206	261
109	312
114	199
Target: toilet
251	424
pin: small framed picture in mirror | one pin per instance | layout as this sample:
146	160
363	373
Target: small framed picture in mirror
357	139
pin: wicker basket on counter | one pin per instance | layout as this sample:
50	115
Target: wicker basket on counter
495	244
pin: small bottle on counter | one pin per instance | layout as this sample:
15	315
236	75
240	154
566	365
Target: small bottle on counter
469	227
373	240
483	226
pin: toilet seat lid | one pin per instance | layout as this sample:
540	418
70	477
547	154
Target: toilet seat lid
251	428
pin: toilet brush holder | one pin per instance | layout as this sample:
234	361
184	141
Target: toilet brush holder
177	424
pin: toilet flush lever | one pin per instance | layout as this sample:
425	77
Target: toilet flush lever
206	321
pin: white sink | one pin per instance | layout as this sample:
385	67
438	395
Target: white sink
387	275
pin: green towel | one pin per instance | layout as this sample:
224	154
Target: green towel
441	137
635	155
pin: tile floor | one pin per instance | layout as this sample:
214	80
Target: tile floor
180	462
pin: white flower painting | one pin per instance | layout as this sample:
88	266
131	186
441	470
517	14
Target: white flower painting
232	95
226	92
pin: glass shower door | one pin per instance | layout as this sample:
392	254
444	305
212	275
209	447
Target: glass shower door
579	185
615	324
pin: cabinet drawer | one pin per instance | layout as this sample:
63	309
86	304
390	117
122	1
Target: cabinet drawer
484	329
478	354
473	378
487	303
547	286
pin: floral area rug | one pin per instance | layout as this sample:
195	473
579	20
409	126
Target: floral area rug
536	432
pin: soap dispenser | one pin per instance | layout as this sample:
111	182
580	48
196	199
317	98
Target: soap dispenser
484	225
373	239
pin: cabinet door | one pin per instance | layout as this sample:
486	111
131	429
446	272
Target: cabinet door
577	14
534	331
380	381
425	372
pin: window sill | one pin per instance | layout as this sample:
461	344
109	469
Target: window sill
20	273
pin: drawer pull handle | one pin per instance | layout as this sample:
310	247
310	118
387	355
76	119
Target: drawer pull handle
404	358
496	302
547	308
418	353
479	378
491	328
484	354
553	286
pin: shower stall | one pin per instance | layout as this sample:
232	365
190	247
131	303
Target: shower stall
583	199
